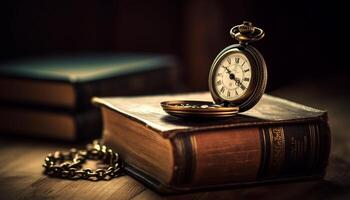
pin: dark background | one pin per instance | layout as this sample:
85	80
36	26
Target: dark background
305	48
304	39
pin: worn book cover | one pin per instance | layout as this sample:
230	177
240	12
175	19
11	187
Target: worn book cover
50	123
70	82
277	140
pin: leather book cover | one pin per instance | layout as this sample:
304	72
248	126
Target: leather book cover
147	110
70	82
50	123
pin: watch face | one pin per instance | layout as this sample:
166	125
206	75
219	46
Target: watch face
238	77
232	76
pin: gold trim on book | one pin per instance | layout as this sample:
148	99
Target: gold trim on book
277	153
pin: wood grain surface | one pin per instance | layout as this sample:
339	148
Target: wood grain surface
21	172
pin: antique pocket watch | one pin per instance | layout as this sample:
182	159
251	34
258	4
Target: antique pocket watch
237	79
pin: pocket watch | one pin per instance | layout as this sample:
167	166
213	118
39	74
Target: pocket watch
237	79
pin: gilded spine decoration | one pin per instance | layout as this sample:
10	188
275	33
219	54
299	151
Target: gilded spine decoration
293	150
277	149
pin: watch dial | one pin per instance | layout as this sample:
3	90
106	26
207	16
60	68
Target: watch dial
232	76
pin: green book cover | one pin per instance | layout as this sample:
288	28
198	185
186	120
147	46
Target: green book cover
71	81
85	68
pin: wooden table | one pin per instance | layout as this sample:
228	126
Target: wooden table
21	172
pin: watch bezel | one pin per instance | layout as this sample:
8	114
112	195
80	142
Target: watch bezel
258	82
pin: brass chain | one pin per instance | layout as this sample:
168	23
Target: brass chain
69	164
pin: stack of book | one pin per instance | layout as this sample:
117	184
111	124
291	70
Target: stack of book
51	97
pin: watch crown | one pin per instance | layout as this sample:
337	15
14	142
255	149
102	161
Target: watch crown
246	33
246	28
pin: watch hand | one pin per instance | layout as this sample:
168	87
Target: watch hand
238	82
232	76
228	71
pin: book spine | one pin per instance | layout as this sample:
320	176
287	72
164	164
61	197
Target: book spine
251	154
137	83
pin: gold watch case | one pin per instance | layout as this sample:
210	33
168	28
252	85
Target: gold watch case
202	109
245	34
257	86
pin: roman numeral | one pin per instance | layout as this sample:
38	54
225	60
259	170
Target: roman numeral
219	82
228	93
236	92
246	79
243	64
222	90
236	60
229	60
219	74
242	87
247	70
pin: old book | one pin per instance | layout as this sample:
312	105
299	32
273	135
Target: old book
277	140
70	82
51	124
